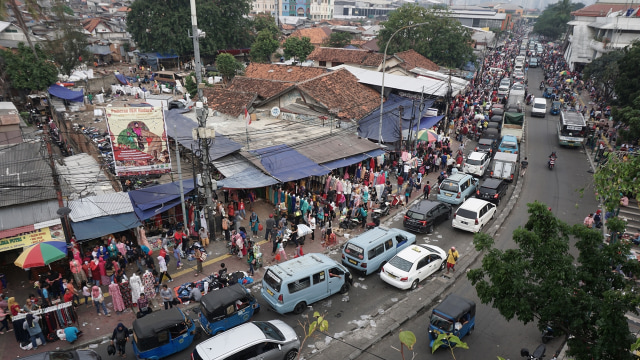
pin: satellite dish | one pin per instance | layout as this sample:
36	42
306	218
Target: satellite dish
275	111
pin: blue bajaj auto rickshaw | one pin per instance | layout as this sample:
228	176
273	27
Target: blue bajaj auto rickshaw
162	333
555	107
454	315
225	308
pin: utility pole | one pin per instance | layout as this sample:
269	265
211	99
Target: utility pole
447	101
204	136
400	112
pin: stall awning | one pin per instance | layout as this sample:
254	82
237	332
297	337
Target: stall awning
154	200
241	174
336	164
428	121
122	79
100	226
286	164
97	206
64	93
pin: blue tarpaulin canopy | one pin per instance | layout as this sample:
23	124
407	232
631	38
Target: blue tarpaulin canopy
64	93
336	164
153	200
122	79
286	164
369	126
428	121
104	225
153	58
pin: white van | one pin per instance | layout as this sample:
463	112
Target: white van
539	107
473	214
294	284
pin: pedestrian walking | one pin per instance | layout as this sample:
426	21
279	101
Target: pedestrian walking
4	321
32	325
225	228
119	338
98	300
588	221
254	222
201	256
167	297
204	236
162	266
452	257
426	190
281	252
251	260
269	226
523	166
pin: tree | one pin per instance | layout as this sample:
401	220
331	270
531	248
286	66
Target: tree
264	46
628	84
338	39
630	116
190	84
552	23
442	39
618	175
225	23
297	48
32	7
541	281
26	72
266	22
69	46
320	323
227	65
604	73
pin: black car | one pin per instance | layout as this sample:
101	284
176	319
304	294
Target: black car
65	355
423	216
492	190
487	145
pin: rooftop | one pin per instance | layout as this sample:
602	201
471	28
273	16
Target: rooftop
282	72
263	87
227	101
346	56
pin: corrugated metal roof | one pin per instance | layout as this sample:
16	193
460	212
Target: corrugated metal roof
28	214
101	205
25	175
81	176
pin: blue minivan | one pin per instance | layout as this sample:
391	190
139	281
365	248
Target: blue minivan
457	188
369	251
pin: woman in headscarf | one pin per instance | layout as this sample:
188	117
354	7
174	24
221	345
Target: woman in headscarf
98	300
32	325
254	221
120	337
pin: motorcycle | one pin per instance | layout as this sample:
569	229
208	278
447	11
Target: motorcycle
538	353
551	163
396	200
541	85
383	210
547	334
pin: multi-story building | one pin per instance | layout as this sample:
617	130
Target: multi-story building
601	28
264	7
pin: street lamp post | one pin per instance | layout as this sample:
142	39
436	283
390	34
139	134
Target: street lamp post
384	68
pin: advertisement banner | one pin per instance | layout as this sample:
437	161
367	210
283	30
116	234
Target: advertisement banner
139	140
33	237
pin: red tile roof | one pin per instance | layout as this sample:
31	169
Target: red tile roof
264	88
341	91
371	45
124	9
91	24
317	35
412	59
600	9
282	72
228	102
287	27
346	56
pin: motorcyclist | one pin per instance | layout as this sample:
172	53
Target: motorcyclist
441	177
553	157
541	85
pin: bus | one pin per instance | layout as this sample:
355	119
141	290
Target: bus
572	129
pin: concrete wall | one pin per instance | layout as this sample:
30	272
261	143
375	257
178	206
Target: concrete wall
96	85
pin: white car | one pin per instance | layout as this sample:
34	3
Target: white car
476	163
473	214
412	265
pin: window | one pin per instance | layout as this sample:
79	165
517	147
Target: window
401	240
322	63
318	277
388	244
376	251
298	285
335	272
423	262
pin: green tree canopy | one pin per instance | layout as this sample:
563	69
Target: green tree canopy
70	44
163	26
552	23
604	72
27	73
263	47
338	39
227	65
540	281
619	174
266	22
442	39
297	48
628	84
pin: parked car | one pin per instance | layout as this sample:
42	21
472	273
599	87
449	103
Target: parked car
509	144
492	190
473	214
65	354
476	163
423	216
533	62
369	251
412	265
487	145
457	188
518	75
267	340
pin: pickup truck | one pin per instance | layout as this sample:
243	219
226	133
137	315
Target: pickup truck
513	124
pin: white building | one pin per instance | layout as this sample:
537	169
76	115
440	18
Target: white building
321	9
264	7
601	28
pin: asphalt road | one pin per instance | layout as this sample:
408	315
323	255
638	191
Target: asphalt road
494	335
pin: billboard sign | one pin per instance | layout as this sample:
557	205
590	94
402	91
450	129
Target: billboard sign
139	140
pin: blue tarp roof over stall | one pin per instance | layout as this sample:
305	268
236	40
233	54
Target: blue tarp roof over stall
100	226
122	79
369	126
336	164
153	200
179	127
287	164
67	94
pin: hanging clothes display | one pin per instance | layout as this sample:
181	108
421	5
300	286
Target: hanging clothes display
136	287
125	291
116	296
148	285
52	318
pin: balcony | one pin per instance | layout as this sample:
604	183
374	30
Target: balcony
603	46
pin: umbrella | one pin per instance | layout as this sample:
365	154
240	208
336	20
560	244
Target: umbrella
563	72
569	81
427	135
304	230
41	254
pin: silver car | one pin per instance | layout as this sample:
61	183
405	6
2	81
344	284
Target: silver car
265	340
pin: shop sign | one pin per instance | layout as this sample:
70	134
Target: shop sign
32	237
